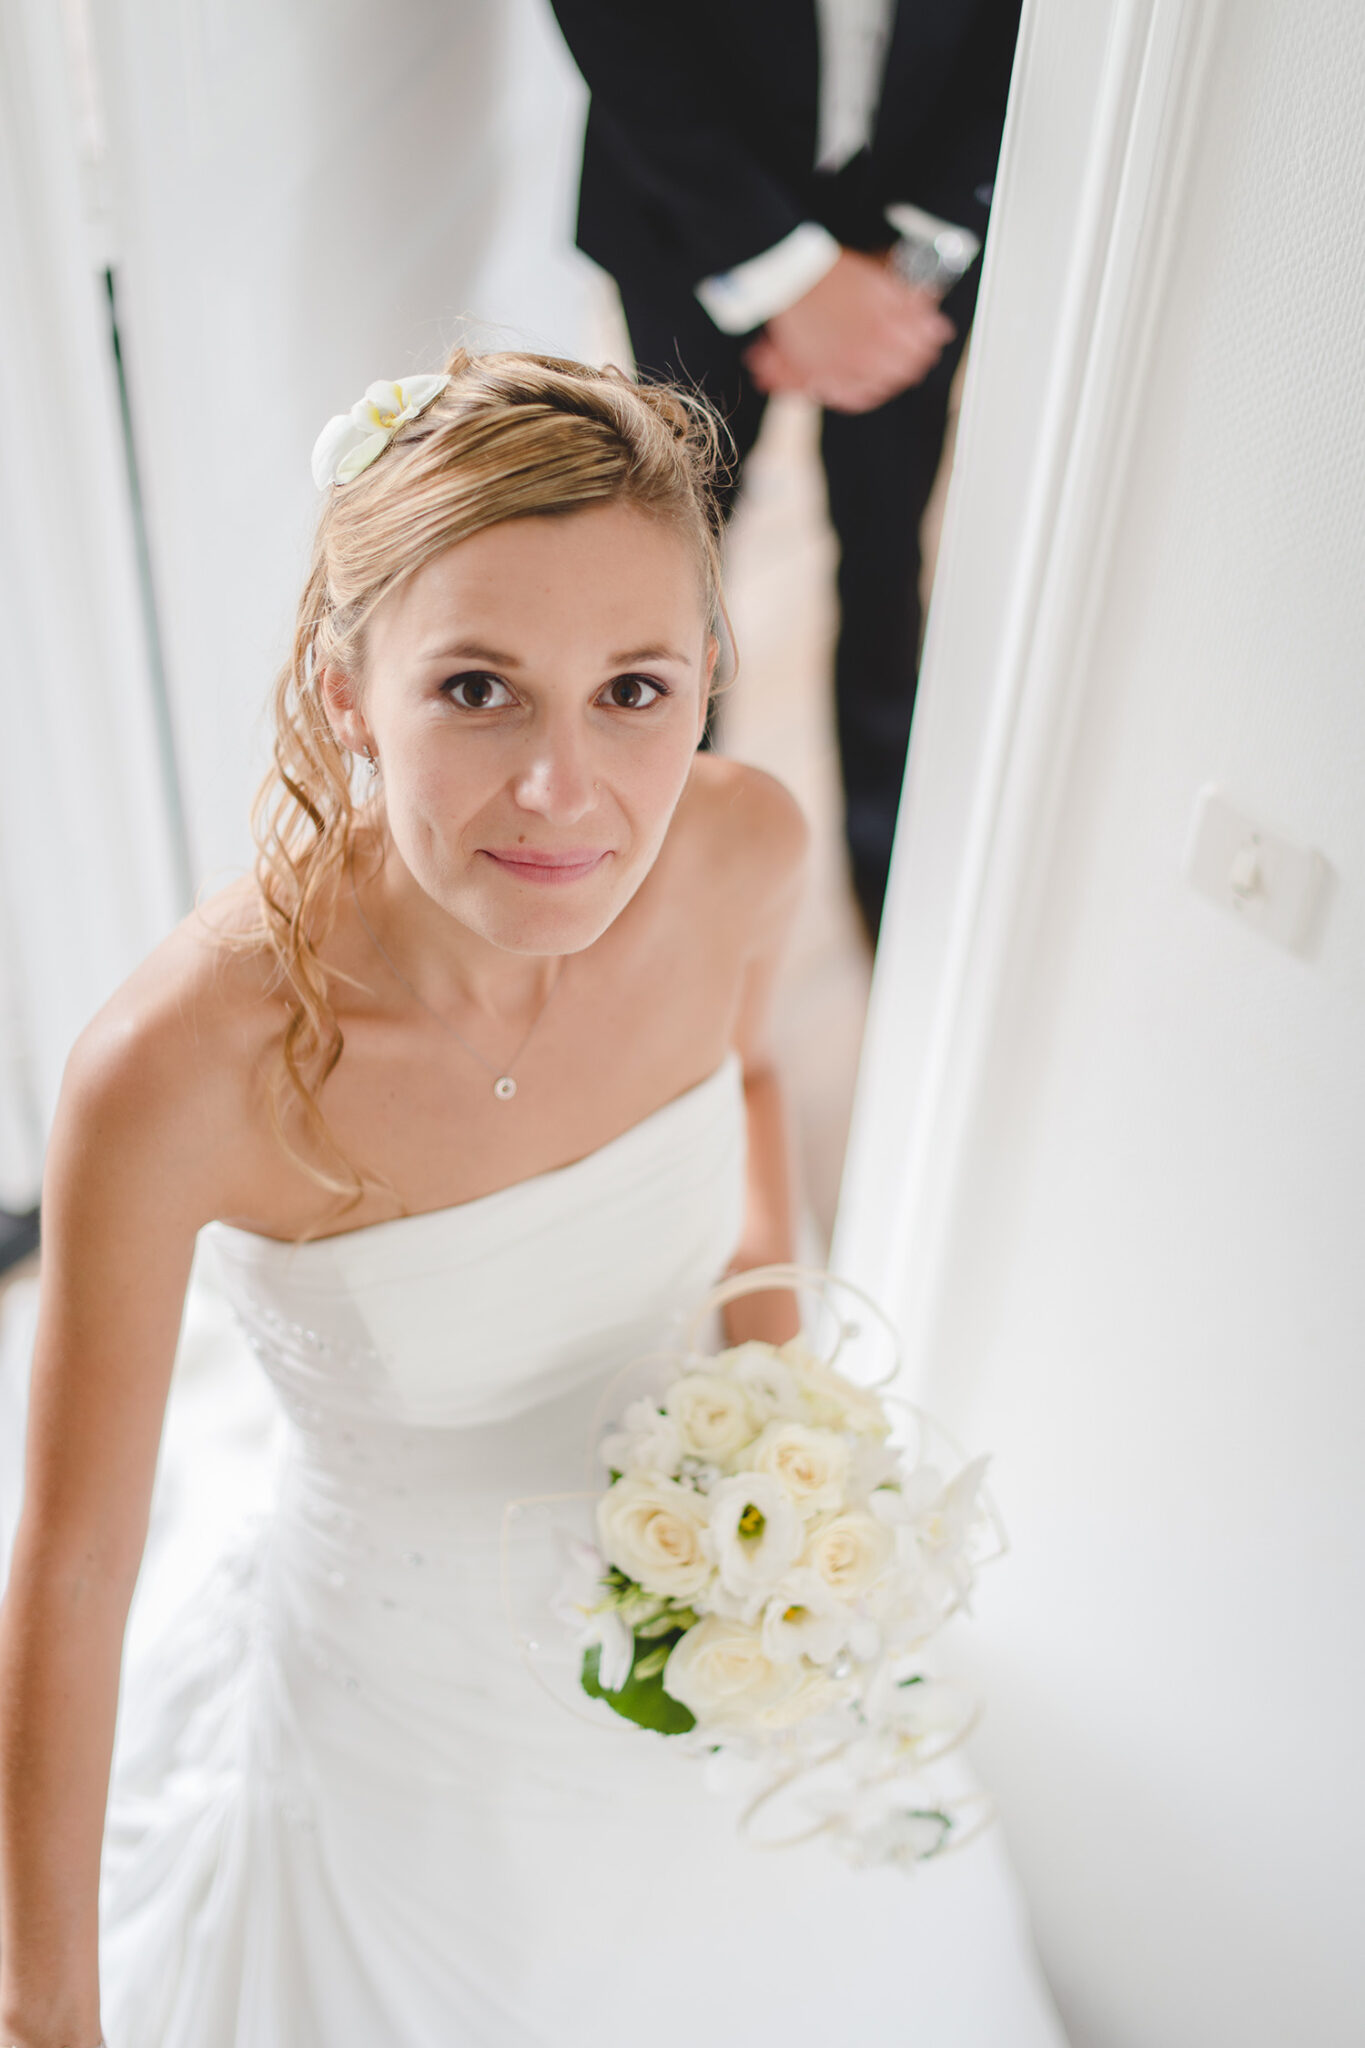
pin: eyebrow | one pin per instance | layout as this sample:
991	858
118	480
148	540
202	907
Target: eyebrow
473	650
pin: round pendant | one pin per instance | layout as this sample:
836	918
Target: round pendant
504	1088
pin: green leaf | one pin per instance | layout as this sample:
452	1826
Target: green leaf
661	1625
641	1700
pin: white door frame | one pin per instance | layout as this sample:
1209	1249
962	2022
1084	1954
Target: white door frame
1100	117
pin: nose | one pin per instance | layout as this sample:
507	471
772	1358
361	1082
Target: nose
555	779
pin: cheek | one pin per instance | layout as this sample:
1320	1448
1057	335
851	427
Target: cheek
651	784
430	778
432	793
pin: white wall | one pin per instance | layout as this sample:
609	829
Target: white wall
1128	1249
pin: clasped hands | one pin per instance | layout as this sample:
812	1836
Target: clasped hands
856	339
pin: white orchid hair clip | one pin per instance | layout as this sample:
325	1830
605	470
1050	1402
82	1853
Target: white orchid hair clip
350	441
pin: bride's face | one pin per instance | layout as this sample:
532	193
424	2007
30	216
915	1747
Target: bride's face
535	695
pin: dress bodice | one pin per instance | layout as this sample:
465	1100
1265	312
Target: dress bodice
433	1367
473	1314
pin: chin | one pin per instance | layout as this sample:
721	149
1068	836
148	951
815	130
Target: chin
564	920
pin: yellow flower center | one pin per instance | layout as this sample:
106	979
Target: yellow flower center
752	1522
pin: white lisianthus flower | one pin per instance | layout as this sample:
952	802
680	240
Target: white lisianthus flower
702	1473
712	1414
722	1673
745	1607
831	1401
811	1463
754	1533
849	1553
350	441
616	1652
647	1441
768	1381
804	1619
652	1530
580	1600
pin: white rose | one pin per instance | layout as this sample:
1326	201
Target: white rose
711	1413
849	1553
721	1671
830	1399
754	1533
815	1692
652	1530
811	1463
768	1381
647	1441
804	1619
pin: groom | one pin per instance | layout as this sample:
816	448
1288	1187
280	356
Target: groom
739	159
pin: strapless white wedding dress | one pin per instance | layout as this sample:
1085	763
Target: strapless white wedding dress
345	1814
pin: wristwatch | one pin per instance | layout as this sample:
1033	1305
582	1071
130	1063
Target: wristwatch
930	253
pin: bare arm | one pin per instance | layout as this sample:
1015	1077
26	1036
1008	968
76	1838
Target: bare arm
768	1236
121	1206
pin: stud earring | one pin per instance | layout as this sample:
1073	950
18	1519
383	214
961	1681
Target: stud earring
371	765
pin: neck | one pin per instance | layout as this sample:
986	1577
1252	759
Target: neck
449	967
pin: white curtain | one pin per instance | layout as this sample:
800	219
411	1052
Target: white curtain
293	198
309	196
88	874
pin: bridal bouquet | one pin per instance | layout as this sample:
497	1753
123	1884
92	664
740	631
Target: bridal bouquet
768	1568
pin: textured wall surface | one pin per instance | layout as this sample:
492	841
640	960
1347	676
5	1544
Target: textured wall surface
1154	1302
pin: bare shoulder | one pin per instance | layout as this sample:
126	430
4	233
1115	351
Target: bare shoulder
753	827
163	1075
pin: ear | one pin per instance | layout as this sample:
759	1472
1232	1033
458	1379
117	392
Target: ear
337	695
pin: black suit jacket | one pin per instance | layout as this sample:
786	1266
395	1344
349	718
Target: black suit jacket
702	129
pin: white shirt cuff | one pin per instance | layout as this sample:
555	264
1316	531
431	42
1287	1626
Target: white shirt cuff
741	299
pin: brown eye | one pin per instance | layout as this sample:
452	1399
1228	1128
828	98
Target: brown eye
633	693
475	692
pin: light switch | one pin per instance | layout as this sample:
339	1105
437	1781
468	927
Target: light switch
1267	882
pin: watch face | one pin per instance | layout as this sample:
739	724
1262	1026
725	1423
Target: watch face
924	266
930	253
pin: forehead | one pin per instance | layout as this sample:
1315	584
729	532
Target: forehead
611	570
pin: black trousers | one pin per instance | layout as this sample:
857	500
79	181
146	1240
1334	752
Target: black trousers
879	471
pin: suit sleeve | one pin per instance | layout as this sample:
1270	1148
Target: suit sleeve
662	118
955	156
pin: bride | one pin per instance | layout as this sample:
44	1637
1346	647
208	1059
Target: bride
469	1091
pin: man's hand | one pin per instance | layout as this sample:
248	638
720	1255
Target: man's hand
856	339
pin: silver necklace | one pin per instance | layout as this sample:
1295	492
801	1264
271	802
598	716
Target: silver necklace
504	1087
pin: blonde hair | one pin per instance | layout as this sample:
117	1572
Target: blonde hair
511	435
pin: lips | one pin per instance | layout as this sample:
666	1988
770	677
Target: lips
549	869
